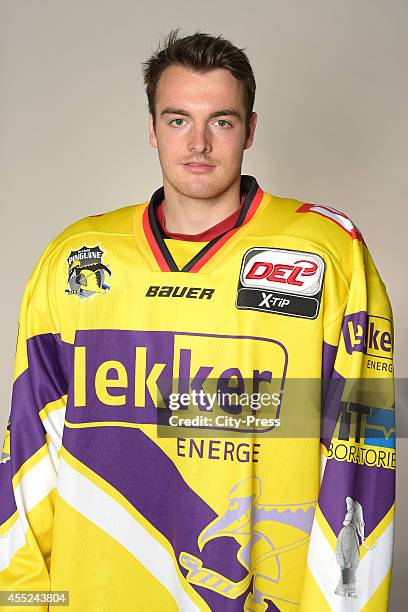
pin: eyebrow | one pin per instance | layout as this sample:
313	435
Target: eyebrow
219	113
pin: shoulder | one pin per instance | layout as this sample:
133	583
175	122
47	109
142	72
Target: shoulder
331	219
115	222
321	221
108	225
87	234
329	229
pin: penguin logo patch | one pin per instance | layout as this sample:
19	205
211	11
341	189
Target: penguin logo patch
87	274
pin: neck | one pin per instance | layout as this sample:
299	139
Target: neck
187	215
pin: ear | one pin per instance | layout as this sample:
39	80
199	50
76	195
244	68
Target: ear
152	133
251	131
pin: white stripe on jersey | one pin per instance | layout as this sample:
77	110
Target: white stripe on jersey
33	487
109	515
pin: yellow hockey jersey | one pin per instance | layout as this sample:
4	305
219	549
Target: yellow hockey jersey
202	425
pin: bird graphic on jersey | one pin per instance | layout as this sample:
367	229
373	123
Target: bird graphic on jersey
269	535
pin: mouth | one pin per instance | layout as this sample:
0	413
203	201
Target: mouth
198	167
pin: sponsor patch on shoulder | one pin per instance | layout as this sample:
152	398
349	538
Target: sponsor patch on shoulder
281	281
87	273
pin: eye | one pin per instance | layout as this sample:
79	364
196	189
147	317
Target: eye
225	122
178	119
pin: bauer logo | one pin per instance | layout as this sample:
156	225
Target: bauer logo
281	281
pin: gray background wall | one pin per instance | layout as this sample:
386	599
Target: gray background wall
332	93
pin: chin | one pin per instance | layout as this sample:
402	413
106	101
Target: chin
193	190
202	186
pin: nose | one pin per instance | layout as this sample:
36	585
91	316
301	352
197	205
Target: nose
199	140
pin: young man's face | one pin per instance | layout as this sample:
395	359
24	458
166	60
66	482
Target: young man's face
200	118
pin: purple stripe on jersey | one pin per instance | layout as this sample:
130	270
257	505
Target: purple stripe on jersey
47	369
42	382
328	358
372	486
134	465
332	391
27	434
8	503
343	479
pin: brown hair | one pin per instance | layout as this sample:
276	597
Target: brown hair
200	52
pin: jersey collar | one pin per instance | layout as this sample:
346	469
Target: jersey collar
154	242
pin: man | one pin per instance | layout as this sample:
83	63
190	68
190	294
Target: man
172	446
